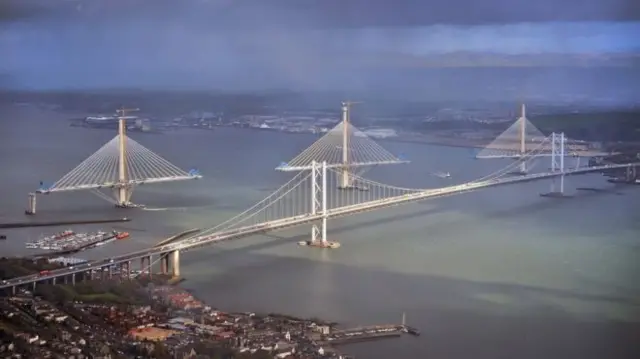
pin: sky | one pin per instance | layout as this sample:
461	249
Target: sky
285	43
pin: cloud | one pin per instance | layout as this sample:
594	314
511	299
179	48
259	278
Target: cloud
265	44
334	13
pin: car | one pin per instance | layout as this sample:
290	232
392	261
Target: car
71	267
4	282
111	260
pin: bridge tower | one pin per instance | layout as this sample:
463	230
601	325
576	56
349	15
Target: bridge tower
557	165
345	181
523	139
344	148
319	206
123	190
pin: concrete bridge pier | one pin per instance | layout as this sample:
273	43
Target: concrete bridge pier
53	281
146	265
73	278
125	269
632	174
164	263
31	208
175	263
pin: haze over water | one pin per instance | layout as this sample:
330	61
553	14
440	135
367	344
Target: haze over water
492	274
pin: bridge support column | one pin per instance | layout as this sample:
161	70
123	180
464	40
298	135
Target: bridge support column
146	266
123	196
31	208
345	178
631	175
523	141
557	166
164	263
53	281
175	264
124	191
73	278
125	269
13	290
319	204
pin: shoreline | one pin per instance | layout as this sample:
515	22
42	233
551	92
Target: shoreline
438	141
322	336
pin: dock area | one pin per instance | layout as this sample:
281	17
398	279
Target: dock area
366	333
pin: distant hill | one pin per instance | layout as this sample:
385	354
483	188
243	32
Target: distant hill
476	59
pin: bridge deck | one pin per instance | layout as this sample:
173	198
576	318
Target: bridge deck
192	243
118	185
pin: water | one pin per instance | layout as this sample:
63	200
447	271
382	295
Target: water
493	274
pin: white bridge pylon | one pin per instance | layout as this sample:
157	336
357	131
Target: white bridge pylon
120	165
519	140
344	147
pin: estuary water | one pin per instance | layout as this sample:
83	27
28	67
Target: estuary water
499	273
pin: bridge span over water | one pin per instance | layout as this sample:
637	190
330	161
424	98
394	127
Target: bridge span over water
314	197
328	184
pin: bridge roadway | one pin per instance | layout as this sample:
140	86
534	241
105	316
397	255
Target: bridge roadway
283	223
118	185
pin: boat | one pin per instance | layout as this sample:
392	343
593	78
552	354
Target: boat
122	235
411	330
64	234
442	174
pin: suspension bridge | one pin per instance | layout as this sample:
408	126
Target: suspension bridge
119	165
316	193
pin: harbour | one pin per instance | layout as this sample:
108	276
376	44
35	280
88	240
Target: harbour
68	241
368	333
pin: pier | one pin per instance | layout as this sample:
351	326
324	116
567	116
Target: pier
367	333
61	223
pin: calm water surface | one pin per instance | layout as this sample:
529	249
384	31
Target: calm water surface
500	273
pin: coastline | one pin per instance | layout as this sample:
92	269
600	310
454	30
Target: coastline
276	330
435	141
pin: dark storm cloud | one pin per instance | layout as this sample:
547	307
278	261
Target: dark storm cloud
301	44
336	13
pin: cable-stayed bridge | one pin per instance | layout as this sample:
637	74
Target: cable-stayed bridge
521	138
316	195
119	165
344	147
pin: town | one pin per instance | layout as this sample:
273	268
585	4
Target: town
133	315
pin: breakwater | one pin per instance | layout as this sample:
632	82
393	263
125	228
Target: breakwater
61	223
